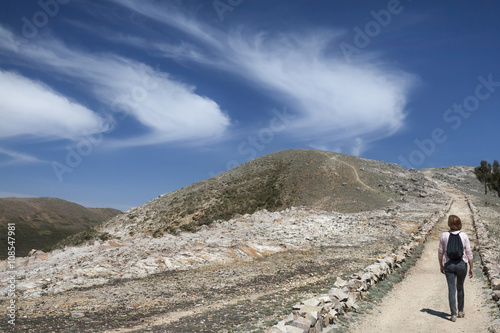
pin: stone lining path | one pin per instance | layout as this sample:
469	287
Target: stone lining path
419	303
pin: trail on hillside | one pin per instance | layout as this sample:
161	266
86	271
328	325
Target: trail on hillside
420	302
356	175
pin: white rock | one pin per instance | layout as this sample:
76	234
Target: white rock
338	294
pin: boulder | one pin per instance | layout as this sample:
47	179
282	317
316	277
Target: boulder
331	316
312	302
357	285
350	305
390	261
308	311
495	294
336	305
301	323
41	255
384	267
366	277
340	283
399	257
276	329
324	299
495	284
338	294
355	295
293	329
376	270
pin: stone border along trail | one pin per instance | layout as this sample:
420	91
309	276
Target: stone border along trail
315	314
489	256
417	304
420	302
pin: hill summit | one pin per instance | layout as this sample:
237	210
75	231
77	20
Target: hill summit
289	178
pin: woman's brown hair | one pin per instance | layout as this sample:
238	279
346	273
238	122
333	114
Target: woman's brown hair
454	222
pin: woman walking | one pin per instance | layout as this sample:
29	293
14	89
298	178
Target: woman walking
455	266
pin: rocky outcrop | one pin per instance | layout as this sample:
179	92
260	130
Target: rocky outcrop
244	237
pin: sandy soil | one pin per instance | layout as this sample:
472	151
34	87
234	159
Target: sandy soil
420	302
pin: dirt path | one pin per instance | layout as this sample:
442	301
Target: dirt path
420	302
356	175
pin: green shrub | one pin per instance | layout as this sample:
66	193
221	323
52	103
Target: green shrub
191	227
104	236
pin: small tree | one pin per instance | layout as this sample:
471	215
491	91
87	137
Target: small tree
483	174
495	177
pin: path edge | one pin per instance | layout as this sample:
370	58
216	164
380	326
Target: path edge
323	311
489	262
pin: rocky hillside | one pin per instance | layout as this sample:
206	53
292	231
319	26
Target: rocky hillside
461	177
232	252
298	178
41	222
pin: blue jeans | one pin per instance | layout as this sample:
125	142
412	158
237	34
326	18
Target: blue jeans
455	276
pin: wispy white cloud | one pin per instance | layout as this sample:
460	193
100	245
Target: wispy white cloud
172	17
333	100
170	110
32	108
8	42
358	147
12	194
10	157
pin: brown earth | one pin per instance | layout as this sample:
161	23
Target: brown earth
42	222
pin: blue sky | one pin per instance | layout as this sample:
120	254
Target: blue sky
112	103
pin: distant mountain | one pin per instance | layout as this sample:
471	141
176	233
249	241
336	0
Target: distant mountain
300	178
41	222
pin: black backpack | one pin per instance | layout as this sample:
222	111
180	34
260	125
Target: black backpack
455	249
